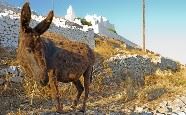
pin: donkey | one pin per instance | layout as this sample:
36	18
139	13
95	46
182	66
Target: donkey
53	56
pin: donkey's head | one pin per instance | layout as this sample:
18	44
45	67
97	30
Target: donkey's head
31	51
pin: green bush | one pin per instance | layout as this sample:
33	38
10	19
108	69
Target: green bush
78	18
85	22
112	30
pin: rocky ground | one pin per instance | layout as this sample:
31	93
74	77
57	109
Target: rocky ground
14	101
109	93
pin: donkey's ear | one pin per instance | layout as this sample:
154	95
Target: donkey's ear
45	24
25	16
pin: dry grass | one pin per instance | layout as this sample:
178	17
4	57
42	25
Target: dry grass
2	51
104	48
107	48
105	92
34	90
157	88
172	81
163	85
7	57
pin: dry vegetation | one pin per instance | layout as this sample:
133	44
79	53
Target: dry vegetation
105	94
107	47
8	56
173	82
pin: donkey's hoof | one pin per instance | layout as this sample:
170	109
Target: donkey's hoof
73	107
59	109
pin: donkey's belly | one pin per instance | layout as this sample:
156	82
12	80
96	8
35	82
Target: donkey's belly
68	76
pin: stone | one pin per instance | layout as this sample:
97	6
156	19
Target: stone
146	113
169	109
143	113
49	113
3	71
2	81
155	93
139	109
181	113
16	79
167	64
178	113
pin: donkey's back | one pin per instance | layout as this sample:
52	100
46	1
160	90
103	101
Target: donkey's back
68	59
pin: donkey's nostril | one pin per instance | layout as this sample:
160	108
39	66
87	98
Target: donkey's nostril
43	83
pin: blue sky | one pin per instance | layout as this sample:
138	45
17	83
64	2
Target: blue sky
166	20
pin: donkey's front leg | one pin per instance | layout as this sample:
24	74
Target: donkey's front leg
54	83
59	106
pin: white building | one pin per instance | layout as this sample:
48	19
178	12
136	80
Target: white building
100	24
70	14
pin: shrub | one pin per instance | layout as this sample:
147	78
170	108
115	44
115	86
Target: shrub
112	30
78	18
85	22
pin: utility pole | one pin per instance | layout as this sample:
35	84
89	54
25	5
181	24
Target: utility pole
143	4
53	5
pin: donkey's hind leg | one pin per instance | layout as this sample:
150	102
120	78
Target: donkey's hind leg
80	90
87	77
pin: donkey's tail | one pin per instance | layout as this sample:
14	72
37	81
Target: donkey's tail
88	74
91	74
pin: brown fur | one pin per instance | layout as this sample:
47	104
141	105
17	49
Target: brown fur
54	56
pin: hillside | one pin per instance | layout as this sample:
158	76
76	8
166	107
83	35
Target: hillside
112	91
126	80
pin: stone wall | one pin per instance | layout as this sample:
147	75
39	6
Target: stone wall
9	29
137	67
